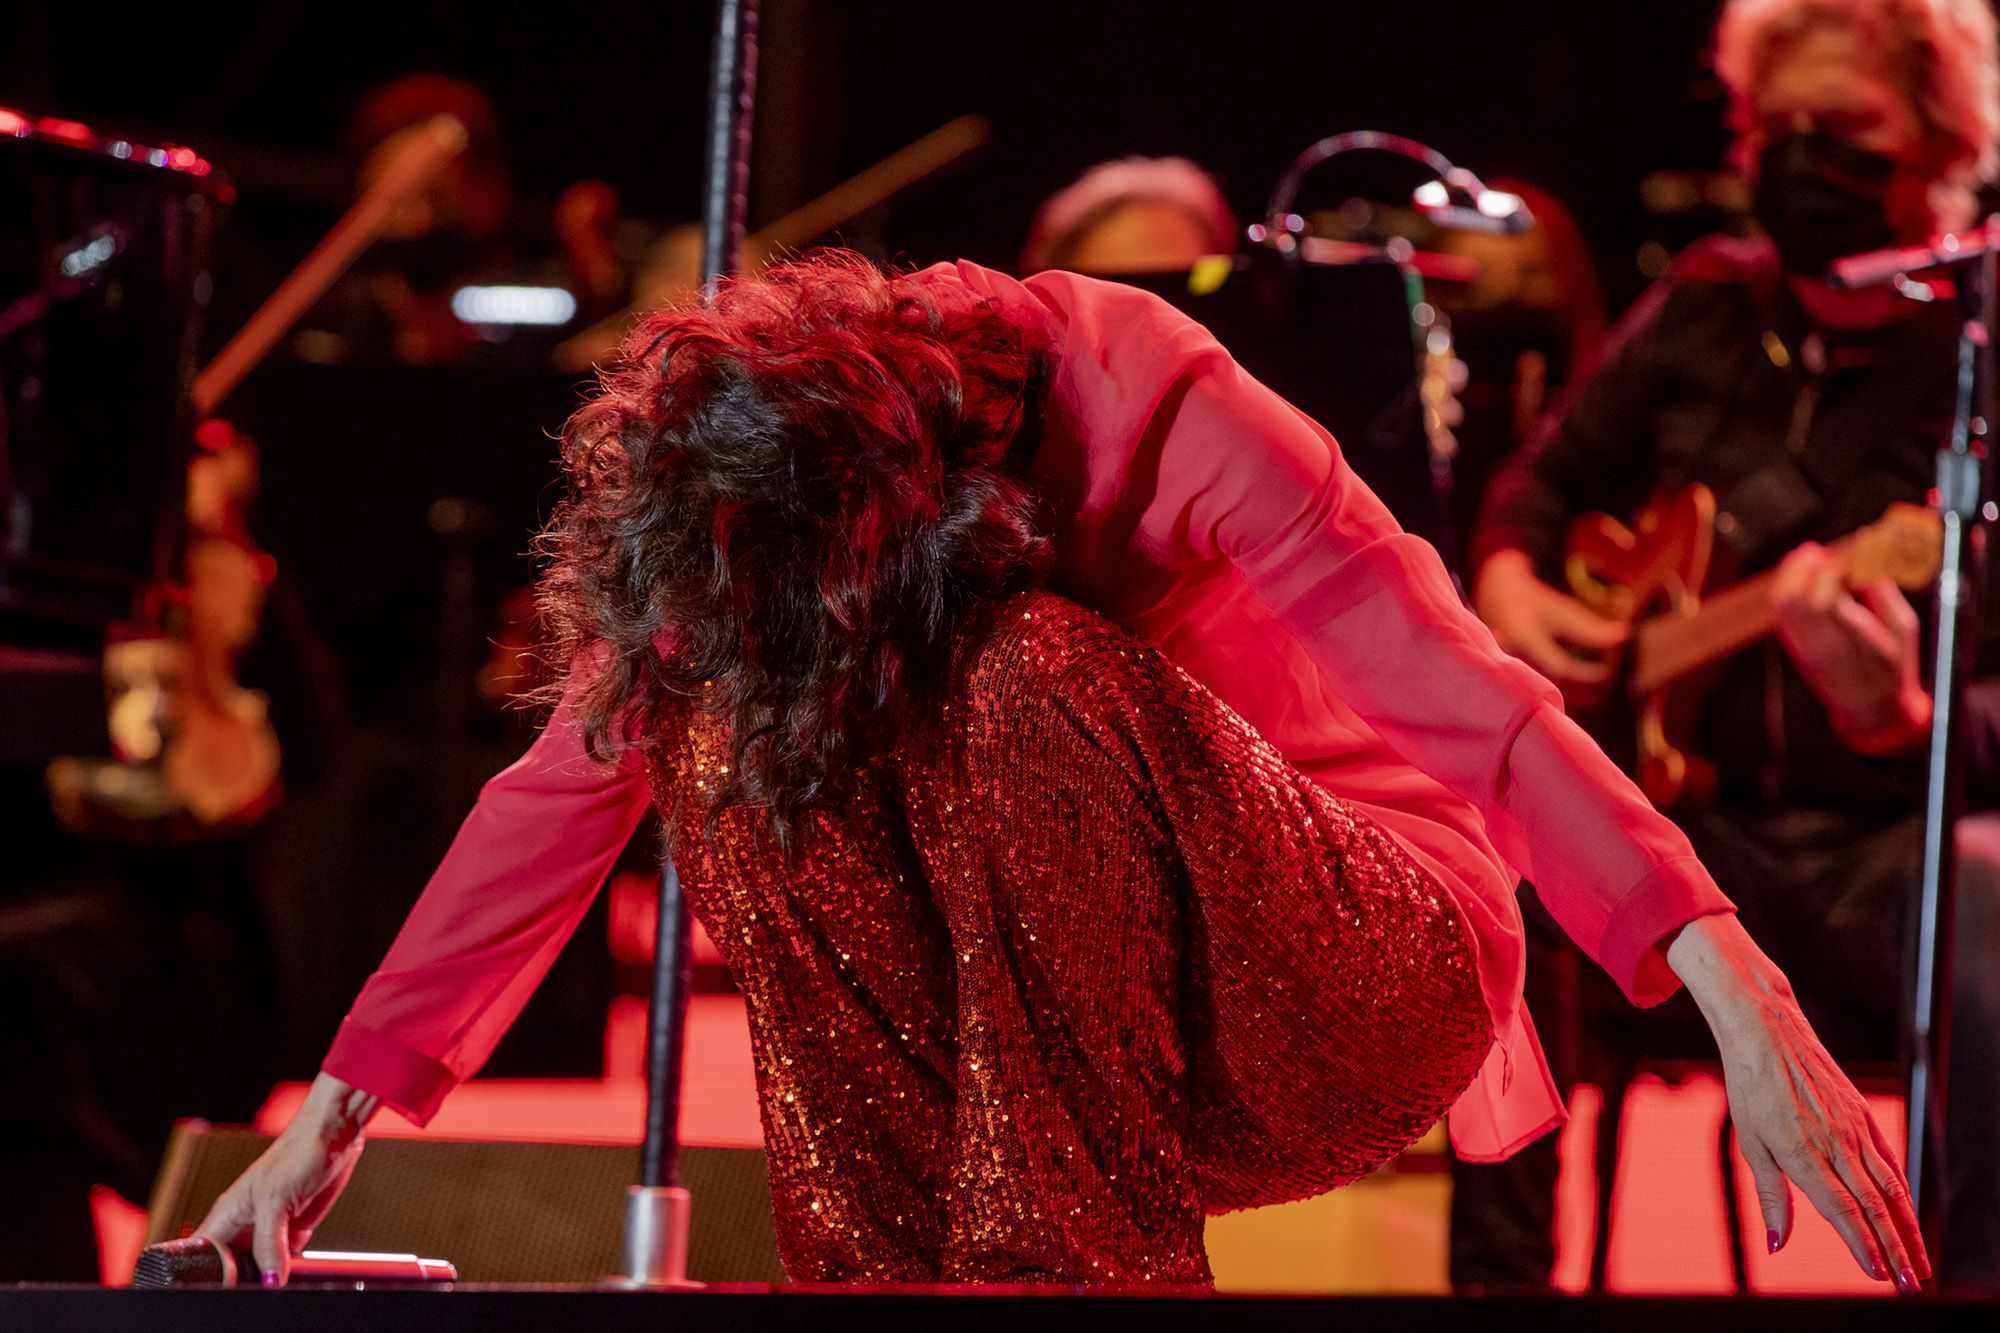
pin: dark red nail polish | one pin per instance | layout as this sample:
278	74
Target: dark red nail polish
1771	1240
271	1279
1907	1281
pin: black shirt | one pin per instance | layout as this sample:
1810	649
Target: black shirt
1718	376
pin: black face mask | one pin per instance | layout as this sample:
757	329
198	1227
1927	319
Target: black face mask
1821	198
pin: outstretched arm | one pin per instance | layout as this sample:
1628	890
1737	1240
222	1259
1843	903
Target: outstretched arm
1231	471
1240	474
508	895
506	898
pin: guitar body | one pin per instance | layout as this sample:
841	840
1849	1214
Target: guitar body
1661	575
197	754
1656	566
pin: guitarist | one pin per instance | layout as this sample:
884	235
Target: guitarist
1807	411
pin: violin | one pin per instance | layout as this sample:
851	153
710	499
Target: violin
194	749
195	753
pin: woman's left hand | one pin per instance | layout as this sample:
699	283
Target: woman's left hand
1797	1116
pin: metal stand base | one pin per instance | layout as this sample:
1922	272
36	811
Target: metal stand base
656	1239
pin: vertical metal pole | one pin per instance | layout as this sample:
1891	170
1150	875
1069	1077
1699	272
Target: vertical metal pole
732	97
666	1035
1961	488
657	1208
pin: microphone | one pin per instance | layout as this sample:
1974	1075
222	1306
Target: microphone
1453	197
1461	201
198	1261
1872	268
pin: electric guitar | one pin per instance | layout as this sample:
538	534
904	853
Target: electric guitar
1653	575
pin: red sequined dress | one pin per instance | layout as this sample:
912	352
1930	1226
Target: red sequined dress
1079	960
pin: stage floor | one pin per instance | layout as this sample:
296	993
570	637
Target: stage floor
965	1310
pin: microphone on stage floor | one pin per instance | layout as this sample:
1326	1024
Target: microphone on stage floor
197	1261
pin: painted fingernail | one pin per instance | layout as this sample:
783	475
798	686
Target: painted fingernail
1907	1281
1876	1271
271	1279
1771	1241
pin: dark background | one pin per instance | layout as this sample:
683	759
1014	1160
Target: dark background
1583	99
379	619
1578	96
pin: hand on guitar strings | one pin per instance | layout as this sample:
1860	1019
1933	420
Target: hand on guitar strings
1551	631
1858	653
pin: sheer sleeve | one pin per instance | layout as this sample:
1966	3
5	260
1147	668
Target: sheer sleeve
506	898
1229	470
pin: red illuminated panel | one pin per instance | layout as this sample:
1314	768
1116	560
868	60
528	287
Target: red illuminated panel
72	130
718	1094
13	124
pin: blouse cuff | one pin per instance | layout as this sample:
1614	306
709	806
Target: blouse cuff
407	1081
1672	894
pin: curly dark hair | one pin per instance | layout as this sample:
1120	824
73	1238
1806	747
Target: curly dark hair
779	505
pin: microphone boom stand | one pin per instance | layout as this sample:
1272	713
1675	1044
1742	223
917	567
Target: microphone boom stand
1961	488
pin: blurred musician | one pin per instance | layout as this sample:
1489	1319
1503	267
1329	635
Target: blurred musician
140	934
463	229
396	303
1807	410
1134	215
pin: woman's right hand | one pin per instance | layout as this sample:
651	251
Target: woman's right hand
275	1205
1548	629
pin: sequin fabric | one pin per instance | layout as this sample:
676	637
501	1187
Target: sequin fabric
1082	960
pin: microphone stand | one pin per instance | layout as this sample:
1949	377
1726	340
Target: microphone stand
1960	489
1452	198
657	1209
1961	465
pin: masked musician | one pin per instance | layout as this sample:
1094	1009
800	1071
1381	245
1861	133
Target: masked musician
1057	926
1807	411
